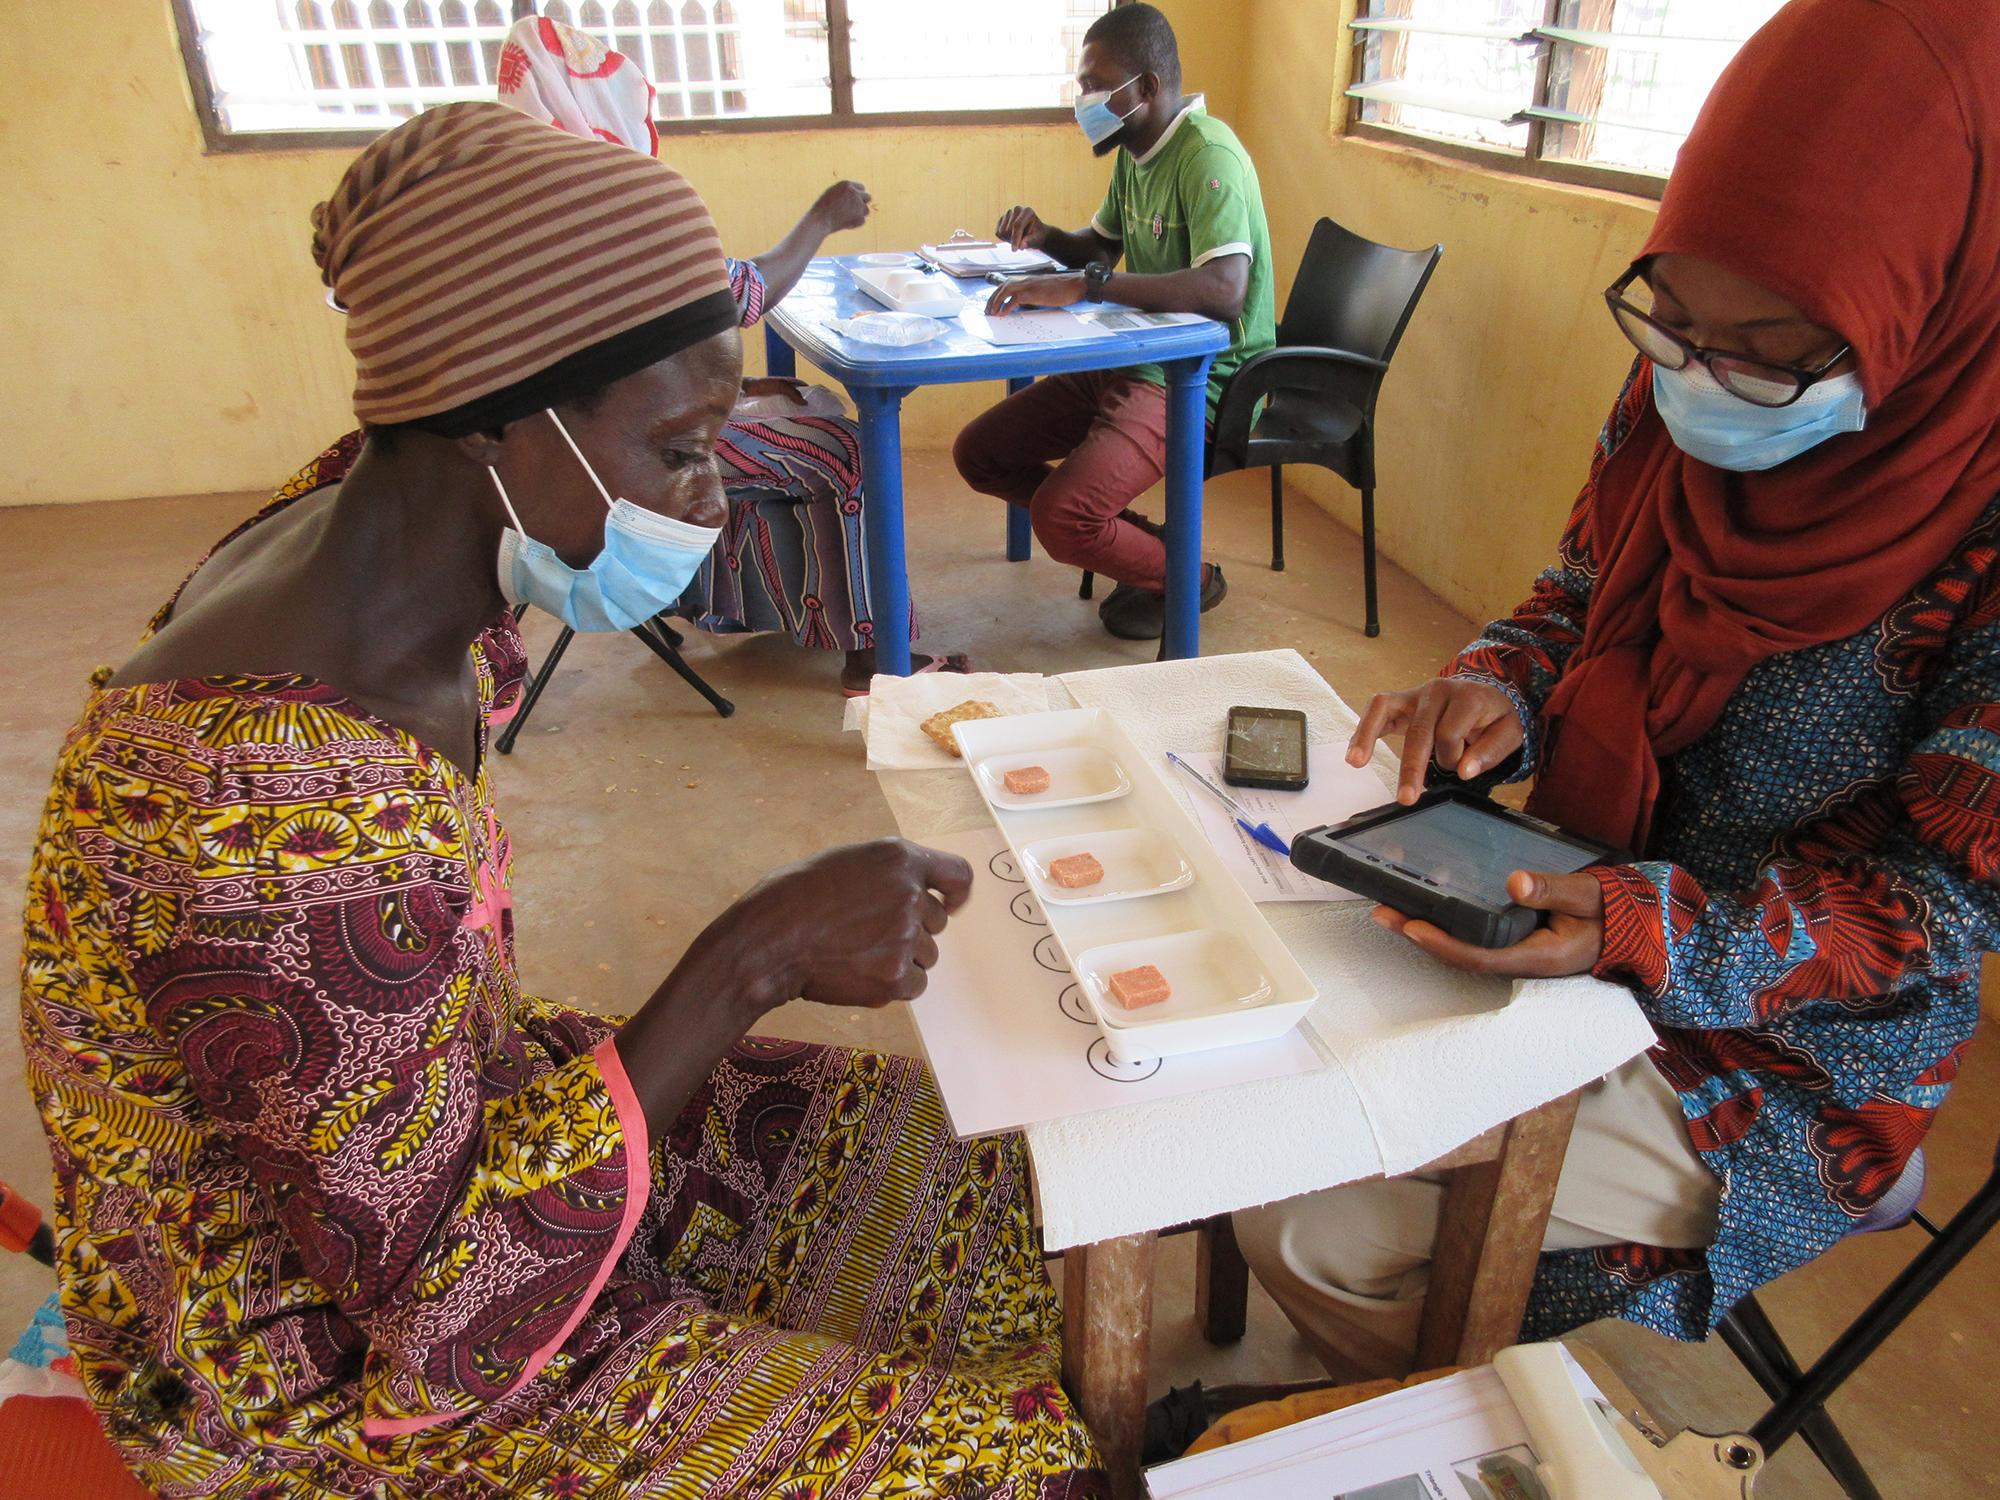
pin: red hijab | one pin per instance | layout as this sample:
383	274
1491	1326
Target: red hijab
1841	162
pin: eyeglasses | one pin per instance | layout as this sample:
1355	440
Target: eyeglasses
1752	380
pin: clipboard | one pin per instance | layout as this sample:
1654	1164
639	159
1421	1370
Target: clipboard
1536	1424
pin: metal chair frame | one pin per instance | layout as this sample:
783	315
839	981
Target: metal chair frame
655	634
1800	1396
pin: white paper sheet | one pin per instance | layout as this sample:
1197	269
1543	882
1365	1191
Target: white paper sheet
891	717
1131	320
978	260
1008	1034
1035	325
1447	1439
1335	790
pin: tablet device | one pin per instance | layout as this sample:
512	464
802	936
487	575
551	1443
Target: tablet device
1446	860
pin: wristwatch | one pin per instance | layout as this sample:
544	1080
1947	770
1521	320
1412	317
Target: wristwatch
1094	276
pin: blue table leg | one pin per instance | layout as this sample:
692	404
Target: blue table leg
1187	411
881	411
1020	529
779	357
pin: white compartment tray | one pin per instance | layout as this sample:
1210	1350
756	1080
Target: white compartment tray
907	289
1203	928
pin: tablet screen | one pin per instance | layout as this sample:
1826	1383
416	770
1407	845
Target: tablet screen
1465	853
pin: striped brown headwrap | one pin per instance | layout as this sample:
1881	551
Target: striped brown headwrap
491	267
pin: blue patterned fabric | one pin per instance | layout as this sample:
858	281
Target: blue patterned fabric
1805	933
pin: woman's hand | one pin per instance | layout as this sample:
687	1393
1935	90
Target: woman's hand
842	206
1464	725
1571	943
856	925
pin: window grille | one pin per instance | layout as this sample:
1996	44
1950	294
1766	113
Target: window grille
265	67
1581	89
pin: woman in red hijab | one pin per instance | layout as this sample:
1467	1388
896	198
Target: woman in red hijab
1768	660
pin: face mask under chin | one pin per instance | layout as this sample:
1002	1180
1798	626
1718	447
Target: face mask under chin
645	564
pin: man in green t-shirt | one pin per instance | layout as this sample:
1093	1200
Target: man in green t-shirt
1185	215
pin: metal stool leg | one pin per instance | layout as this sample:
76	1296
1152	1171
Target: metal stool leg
664	642
1749	1333
1277	518
505	744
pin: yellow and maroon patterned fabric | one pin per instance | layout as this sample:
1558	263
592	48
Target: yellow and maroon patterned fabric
341	1212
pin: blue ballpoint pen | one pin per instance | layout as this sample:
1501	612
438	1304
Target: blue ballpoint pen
1261	832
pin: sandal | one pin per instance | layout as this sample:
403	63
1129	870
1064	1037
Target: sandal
956	661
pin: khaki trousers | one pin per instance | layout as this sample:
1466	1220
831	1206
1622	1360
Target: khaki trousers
1350	1265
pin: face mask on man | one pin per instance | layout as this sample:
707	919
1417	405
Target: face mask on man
1094	113
646	563
1708	423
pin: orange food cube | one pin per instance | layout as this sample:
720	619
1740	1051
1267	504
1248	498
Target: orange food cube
1025	781
1073	870
1144	985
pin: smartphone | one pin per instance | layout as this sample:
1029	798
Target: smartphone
1446	859
1267	748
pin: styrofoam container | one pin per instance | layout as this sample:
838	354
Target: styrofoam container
1077	773
1136	861
906	290
1234	982
886	258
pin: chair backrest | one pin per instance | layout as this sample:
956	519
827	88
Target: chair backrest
1354	294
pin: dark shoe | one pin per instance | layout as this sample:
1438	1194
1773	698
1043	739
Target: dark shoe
1135	614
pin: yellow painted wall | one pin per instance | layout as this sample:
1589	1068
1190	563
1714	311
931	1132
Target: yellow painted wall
1511	363
165	335
160	311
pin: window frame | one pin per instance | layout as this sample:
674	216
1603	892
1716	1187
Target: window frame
1530	162
216	140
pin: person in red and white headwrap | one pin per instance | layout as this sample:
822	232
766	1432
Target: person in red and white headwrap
791	557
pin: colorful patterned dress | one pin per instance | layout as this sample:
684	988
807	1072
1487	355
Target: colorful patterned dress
791	556
341	1212
1806	931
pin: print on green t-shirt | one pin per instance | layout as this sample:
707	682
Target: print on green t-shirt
1195	195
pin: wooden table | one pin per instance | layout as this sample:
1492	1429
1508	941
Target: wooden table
1496	1208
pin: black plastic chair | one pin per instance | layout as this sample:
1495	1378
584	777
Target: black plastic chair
1801	1396
658	637
1311	399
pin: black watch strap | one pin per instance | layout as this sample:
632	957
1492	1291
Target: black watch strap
1094	276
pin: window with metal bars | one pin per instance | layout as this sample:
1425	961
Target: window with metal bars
1600	92
266	72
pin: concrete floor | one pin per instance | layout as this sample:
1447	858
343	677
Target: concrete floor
610	887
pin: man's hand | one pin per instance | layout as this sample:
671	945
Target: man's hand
1466	726
1571	943
1036	291
842	206
775	385
1021	228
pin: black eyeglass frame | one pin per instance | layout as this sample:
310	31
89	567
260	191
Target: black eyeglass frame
1807	377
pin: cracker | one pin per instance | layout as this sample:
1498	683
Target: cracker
938	725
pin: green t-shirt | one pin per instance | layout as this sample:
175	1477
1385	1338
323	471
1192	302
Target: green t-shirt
1194	197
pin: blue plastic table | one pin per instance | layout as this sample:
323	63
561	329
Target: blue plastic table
878	378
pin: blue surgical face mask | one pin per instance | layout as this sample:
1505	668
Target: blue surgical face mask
1708	423
645	565
1099	121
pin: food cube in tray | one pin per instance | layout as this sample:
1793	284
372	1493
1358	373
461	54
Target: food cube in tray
1165	898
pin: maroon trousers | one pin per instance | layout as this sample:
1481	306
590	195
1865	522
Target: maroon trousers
1075	451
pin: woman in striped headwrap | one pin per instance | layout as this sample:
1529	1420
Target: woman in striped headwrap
340	1211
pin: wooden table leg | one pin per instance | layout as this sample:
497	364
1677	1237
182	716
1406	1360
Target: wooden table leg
1107	1341
1489	1236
